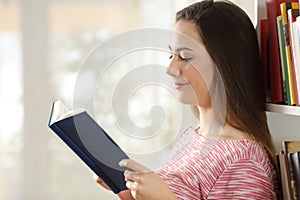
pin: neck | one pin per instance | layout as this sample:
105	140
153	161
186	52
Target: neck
208	126
212	128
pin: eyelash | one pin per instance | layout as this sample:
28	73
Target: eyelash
181	58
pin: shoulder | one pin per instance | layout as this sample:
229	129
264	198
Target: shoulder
235	150
247	171
241	158
242	153
185	137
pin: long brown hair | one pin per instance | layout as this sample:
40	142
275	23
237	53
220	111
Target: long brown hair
230	38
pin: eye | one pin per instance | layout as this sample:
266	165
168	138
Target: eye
184	59
184	56
180	57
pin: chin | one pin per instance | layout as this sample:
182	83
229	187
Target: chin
187	101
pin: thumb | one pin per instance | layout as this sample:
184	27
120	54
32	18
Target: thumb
133	165
100	182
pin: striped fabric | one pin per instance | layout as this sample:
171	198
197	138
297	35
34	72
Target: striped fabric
201	168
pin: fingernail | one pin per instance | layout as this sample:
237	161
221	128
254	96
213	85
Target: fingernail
95	176
122	163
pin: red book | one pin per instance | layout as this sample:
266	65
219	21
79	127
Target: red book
276	83
265	55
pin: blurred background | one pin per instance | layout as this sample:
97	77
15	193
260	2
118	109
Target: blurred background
42	46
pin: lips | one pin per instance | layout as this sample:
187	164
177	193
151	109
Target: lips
179	85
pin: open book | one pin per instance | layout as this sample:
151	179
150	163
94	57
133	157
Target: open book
90	142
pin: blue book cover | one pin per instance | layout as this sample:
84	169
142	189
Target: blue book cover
90	143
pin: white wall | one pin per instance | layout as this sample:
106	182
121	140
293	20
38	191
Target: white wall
250	7
283	127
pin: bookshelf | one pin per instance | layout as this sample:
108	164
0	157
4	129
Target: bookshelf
291	112
283	120
283	109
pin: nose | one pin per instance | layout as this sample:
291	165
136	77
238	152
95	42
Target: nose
173	68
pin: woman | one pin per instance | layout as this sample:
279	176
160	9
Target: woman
230	154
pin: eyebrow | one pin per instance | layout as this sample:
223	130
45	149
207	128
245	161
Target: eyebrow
180	48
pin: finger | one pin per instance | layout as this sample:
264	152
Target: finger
132	176
134	166
126	195
133	194
100	182
132	185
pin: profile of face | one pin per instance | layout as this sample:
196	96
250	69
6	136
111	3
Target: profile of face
191	67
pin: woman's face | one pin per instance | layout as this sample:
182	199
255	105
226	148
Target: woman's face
191	66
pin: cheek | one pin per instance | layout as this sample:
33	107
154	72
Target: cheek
204	66
189	72
199	89
196	79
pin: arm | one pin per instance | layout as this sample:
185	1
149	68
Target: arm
244	180
144	184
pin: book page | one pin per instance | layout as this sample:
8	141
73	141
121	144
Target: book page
58	110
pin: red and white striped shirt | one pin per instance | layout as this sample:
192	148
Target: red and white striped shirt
201	168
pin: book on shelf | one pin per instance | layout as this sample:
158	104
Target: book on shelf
296	56
292	15
297	68
284	7
296	33
276	85
286	190
295	160
264	49
290	147
90	142
286	88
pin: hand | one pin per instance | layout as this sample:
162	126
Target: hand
123	195
100	182
144	184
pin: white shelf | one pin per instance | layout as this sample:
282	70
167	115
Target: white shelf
283	109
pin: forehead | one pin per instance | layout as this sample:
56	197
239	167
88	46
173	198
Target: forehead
186	34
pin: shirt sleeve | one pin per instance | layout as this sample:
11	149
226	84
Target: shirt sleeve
244	179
